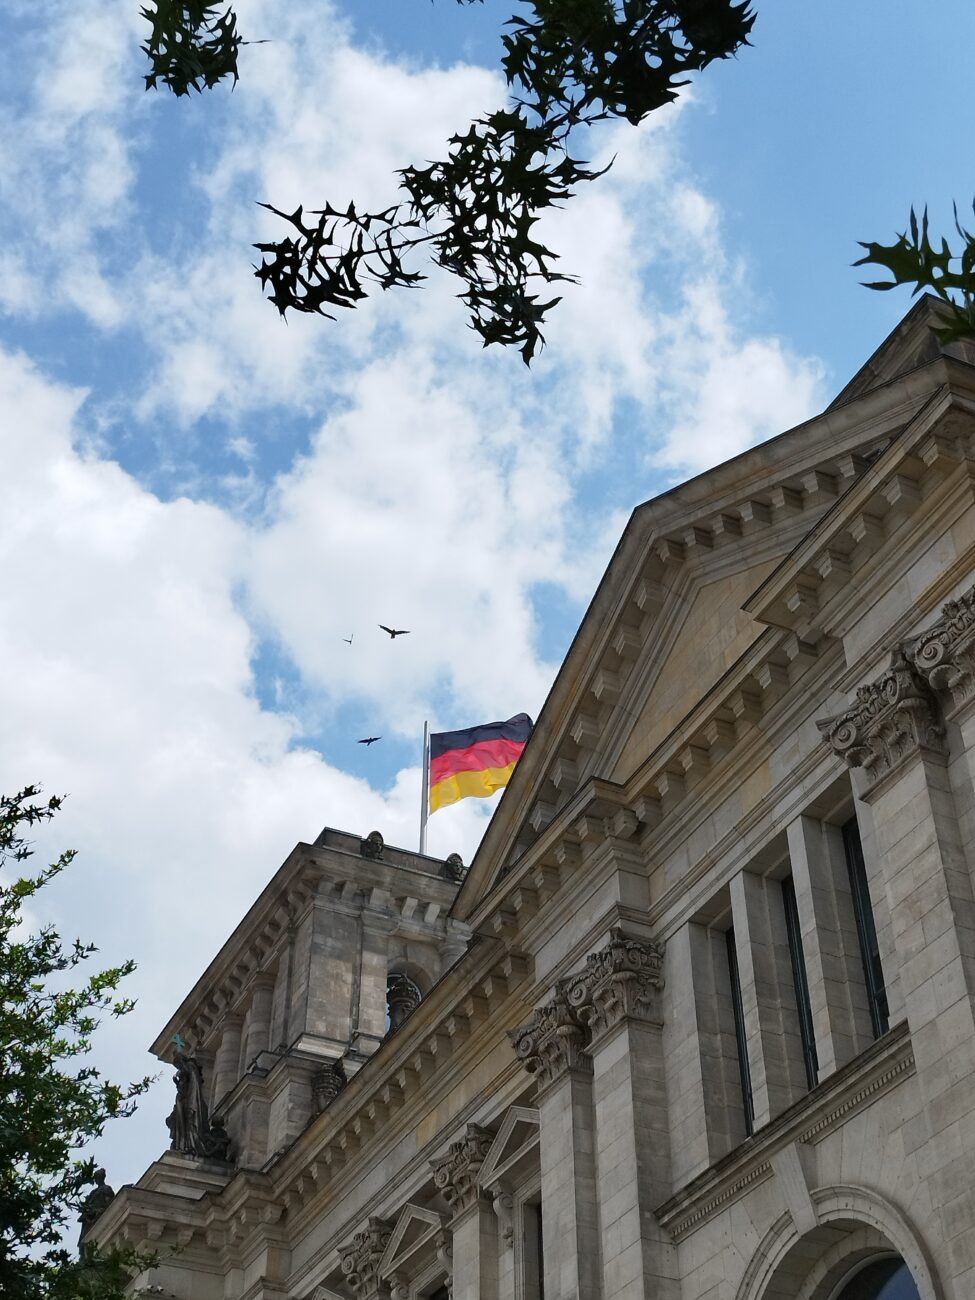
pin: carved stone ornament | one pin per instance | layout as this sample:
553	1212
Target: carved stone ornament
327	1083
554	1039
372	846
361	1258
893	717
945	655
402	999
454	868
622	979
455	1174
504	1208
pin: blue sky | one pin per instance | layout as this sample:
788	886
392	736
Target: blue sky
199	502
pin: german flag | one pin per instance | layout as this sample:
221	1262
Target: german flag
476	761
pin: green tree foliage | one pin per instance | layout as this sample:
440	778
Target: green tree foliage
913	259
53	1101
568	63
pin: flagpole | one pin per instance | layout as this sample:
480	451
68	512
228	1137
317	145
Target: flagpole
425	788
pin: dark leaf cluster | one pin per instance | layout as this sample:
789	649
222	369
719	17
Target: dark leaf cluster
191	45
53	1101
913	259
569	64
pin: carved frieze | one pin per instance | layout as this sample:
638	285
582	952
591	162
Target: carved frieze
892	718
455	1174
945	655
360	1259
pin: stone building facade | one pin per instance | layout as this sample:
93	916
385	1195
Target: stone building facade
698	1023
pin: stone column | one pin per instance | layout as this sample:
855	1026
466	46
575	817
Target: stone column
259	1021
551	1047
767	997
834	971
894	733
474	1247
228	1056
617	997
361	1258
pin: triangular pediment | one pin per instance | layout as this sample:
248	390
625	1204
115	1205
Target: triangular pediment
674	660
415	1232
514	1146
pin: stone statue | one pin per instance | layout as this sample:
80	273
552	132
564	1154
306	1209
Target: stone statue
95	1204
189	1120
190	1127
372	846
402	999
454	868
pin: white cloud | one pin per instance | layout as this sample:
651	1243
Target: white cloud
439	486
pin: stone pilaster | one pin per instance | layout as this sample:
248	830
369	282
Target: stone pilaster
932	909
227	1060
361	1258
259	1019
552	1048
617	997
834	971
767	996
474	1246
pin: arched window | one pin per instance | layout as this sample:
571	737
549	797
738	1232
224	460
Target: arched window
880	1279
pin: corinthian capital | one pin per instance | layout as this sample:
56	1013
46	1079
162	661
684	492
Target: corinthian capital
945	655
360	1259
553	1040
455	1174
622	979
892	717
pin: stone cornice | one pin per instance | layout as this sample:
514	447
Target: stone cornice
892	718
800	473
889	492
874	1072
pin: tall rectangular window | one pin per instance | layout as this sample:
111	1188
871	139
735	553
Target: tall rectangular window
739	1016
800	982
873	973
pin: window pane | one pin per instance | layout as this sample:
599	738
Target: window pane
739	1014
885	1279
873	972
800	983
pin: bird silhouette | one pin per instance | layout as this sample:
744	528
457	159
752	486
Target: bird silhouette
395	631
348	639
369	740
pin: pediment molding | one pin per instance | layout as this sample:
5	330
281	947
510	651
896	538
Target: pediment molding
414	1238
516	1143
762	504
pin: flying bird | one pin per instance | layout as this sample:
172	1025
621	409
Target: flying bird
395	631
369	740
348	639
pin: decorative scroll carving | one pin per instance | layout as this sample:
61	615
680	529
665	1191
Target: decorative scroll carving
361	1258
620	980
945	655
327	1083
553	1040
455	1174
892	718
504	1208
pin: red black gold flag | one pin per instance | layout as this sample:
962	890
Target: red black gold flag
475	761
